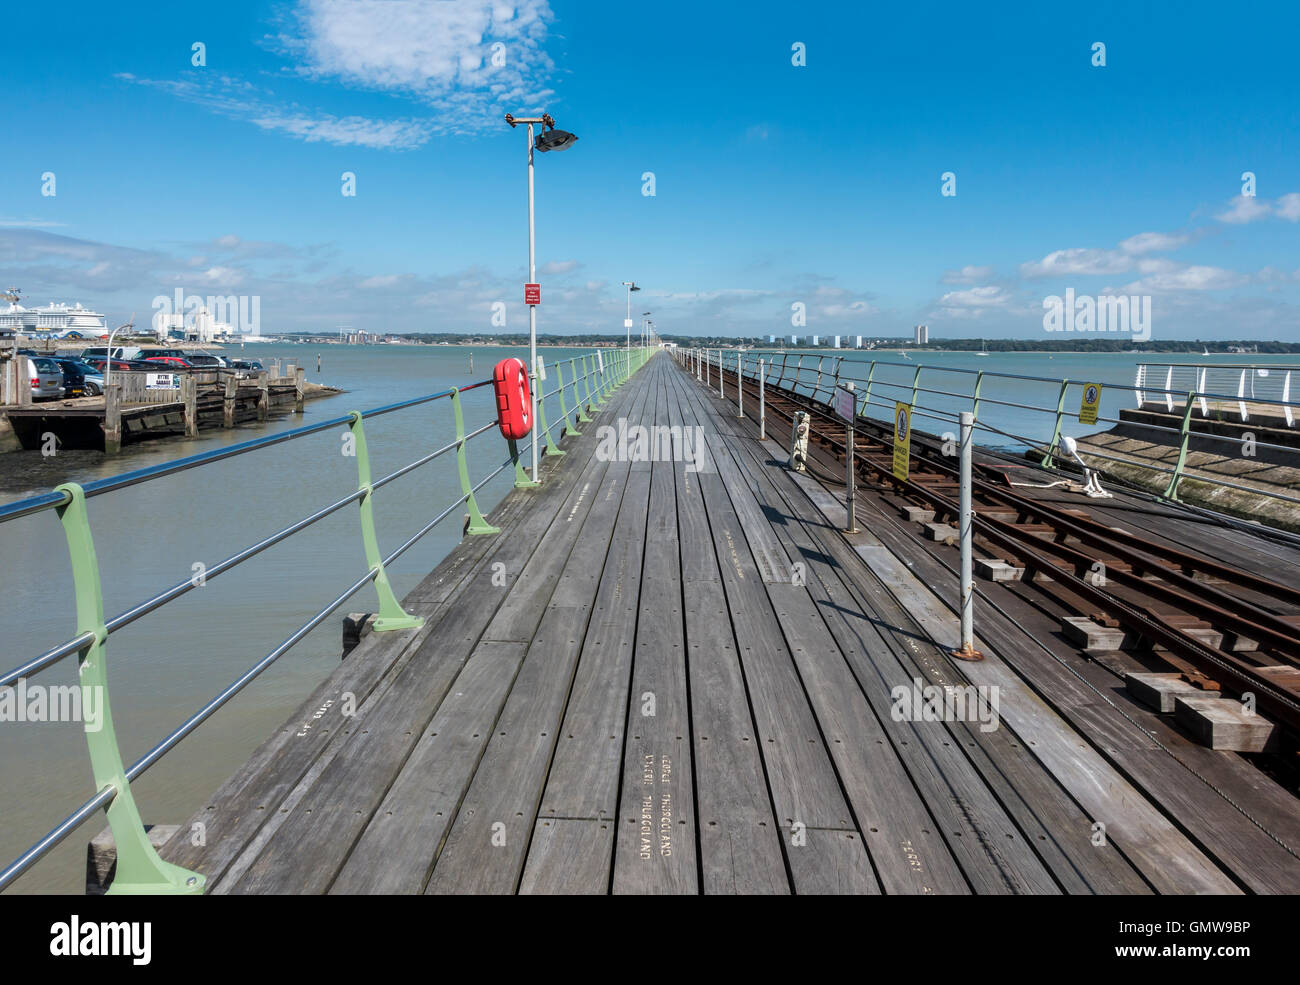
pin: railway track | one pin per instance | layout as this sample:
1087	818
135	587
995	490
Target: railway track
1179	603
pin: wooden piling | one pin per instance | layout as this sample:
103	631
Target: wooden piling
190	394
263	395
113	418
300	389
228	408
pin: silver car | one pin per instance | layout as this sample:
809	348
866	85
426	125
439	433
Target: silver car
46	377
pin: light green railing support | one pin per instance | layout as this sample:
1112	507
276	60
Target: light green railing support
391	614
975	397
916	383
1056	431
541	422
577	394
477	525
564	409
140	872
871	378
589	365
521	474
601	380
1171	492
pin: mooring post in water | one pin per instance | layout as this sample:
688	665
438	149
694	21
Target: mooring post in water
967	650
300	389
263	395
228	402
190	394
113	418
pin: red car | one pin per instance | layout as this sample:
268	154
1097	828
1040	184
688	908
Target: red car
175	362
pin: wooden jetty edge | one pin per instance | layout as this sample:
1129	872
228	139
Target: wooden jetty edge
669	676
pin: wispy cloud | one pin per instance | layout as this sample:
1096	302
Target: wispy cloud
1247	208
466	61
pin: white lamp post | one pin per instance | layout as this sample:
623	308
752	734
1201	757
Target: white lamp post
549	139
627	322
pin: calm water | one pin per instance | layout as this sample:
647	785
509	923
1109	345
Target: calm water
168	664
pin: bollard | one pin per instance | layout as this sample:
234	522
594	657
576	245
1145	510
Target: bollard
967	650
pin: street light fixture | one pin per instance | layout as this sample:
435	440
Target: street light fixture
549	139
627	322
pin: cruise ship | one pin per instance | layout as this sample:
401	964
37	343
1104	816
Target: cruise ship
56	319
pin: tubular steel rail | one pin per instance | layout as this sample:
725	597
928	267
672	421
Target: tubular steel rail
1127	557
591	379
822	373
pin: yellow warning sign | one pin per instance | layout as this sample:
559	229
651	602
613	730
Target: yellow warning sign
1091	402
902	440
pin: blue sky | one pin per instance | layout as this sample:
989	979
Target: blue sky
775	184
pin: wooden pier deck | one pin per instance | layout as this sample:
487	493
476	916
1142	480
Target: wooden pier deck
676	677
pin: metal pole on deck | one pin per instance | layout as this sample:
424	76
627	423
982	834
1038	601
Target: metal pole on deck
967	650
740	389
722	387
762	402
850	478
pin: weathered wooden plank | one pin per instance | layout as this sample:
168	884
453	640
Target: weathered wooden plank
569	857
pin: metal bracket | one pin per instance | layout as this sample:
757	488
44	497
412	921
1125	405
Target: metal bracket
391	614
140	871
477	525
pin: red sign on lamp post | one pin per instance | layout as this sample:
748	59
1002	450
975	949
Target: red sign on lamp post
532	294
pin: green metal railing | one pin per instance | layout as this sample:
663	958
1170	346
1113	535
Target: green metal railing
140	870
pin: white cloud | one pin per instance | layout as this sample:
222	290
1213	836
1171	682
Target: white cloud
974	301
967	275
1078	261
380	280
559	267
1153	242
1244	209
1188	278
467	58
1288	207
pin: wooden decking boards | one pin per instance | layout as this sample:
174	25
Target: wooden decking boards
684	686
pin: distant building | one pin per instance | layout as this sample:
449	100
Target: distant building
816	340
794	340
859	344
771	340
922	334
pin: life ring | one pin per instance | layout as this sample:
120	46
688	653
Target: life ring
514	402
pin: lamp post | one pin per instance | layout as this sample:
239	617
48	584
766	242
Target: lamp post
549	139
627	322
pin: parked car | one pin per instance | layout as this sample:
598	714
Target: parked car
119	352
78	378
46	377
203	360
153	353
171	362
121	365
245	367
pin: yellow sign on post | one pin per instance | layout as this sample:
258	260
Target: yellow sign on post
1090	404
902	440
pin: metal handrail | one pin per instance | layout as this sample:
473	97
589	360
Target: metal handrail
135	852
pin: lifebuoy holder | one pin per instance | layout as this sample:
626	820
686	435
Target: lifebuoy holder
514	400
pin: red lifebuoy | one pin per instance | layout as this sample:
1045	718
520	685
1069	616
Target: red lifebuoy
514	402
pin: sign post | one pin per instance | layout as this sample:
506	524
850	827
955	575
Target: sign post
846	407
902	440
762	401
1090	404
967	650
740	388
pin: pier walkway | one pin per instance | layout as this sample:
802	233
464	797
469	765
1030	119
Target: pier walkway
679	676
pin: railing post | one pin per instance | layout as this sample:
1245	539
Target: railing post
601	395
916	383
551	449
1056	431
975	397
577	393
871	378
477	525
762	401
967	649
740	387
140	871
569	429
391	614
1171	491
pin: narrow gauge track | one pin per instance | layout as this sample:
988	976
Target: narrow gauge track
1163	602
